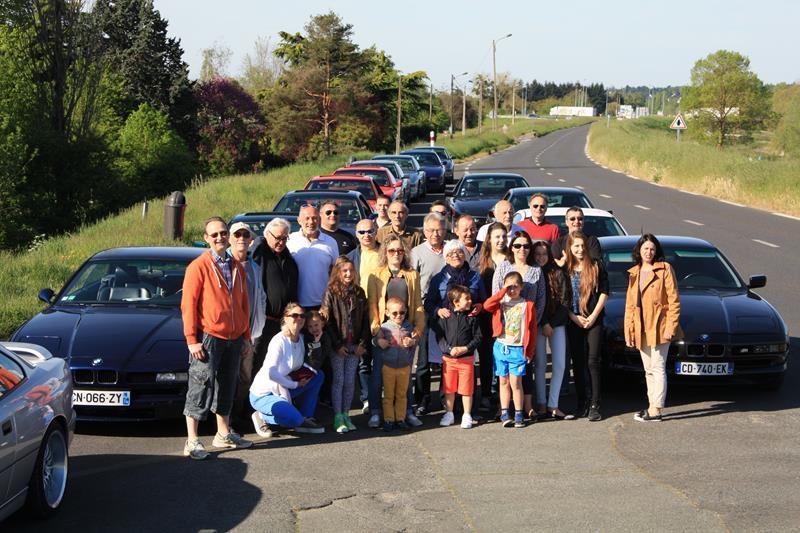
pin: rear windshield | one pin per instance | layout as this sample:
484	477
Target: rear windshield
291	203
427	158
522	201
385	164
495	187
404	163
592	225
378	177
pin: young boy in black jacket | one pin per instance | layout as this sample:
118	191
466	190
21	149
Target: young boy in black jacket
458	336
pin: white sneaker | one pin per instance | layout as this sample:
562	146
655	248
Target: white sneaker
448	419
365	408
413	420
466	421
374	421
261	427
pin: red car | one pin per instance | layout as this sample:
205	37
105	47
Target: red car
363	184
382	176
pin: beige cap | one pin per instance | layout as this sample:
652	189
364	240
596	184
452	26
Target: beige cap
241	225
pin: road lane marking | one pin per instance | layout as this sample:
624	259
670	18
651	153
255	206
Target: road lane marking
579	187
549	173
641	207
786	216
690	192
606	195
765	243
731	203
693	222
562	180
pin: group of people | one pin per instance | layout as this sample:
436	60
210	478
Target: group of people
278	322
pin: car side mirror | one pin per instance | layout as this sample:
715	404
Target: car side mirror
46	295
759	280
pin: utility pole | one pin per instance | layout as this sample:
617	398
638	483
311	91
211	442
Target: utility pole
513	102
494	78
480	104
430	106
608	117
452	82
464	112
399	112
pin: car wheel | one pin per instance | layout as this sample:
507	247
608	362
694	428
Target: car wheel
49	479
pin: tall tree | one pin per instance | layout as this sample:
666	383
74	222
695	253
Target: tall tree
216	60
725	96
261	70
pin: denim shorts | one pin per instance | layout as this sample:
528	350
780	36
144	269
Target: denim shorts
508	360
212	382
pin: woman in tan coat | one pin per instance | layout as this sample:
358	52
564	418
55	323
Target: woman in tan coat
652	310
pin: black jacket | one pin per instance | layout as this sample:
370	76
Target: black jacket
317	352
279	275
556	312
458	330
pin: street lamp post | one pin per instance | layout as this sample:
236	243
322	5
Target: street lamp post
452	82
399	112
464	111
494	78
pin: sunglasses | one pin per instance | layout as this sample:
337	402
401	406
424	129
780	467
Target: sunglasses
573	219
296	316
307	204
539	206
517	246
279	239
242	234
365	231
330	212
395	251
398	313
218	234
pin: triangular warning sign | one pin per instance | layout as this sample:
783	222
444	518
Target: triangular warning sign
678	123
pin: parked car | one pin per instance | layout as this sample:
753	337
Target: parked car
38	423
117	322
412	170
447	160
476	194
520	197
352	207
595	221
730	332
384	179
341	182
433	167
258	220
392	167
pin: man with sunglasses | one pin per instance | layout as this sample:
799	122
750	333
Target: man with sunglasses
315	253
441	207
574	218
216	323
537	226
330	227
398	214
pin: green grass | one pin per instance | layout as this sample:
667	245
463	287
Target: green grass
56	258
741	173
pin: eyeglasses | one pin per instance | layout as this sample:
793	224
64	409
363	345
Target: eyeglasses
330	212
365	231
397	313
218	234
573	219
518	245
455	252
307	204
296	316
283	238
538	206
395	251
242	235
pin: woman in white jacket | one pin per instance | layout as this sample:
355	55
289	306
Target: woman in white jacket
284	380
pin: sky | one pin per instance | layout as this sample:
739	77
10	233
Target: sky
618	42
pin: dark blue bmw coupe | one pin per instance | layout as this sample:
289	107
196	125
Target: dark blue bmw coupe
117	322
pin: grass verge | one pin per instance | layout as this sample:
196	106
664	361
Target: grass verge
647	148
53	260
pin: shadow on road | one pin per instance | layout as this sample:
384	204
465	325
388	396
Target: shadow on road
185	497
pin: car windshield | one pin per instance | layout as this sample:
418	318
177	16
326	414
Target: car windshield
348	208
140	281
694	269
361	186
404	163
494	187
567	199
385	164
427	158
258	226
592	225
379	177
441	152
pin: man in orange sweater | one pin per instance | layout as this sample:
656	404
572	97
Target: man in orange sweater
216	324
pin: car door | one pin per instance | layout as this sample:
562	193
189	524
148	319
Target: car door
12	376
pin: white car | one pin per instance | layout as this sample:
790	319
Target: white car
595	221
38	422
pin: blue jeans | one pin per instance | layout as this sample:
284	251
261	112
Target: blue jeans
376	385
277	410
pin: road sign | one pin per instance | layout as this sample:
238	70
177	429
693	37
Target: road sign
678	123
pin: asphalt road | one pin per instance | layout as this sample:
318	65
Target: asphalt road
727	459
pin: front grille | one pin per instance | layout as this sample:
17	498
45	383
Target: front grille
701	350
107	377
83	377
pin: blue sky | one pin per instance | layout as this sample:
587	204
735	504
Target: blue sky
614	42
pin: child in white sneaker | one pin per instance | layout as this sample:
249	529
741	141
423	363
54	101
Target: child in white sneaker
458	336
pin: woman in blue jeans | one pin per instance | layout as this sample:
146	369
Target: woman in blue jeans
285	391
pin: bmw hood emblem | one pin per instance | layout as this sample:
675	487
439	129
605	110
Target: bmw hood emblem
97	362
705	337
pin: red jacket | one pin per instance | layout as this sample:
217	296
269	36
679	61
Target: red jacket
208	306
492	305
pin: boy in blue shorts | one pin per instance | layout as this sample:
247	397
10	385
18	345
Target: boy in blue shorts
514	329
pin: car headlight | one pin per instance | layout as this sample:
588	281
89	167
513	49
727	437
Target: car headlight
172	377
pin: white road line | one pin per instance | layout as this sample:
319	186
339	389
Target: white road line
549	173
731	203
786	216
579	187
693	222
634	177
562	180
765	243
603	166
606	195
690	192
641	207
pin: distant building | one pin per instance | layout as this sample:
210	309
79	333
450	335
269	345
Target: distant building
571	111
629	111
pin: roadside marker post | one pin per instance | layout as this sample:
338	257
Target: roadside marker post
678	124
432	138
